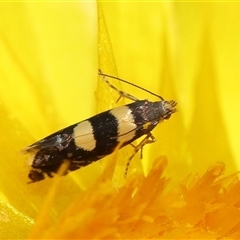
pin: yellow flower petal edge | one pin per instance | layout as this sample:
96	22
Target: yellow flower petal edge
107	65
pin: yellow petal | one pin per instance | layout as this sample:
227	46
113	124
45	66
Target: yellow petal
178	50
183	51
48	67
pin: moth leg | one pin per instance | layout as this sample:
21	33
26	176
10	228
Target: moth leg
148	139
121	93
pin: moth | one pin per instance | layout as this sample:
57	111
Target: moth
98	136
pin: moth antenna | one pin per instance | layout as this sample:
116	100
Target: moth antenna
127	82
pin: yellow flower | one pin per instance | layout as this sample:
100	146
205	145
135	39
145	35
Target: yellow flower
187	52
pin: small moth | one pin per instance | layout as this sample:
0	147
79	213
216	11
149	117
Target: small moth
96	137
